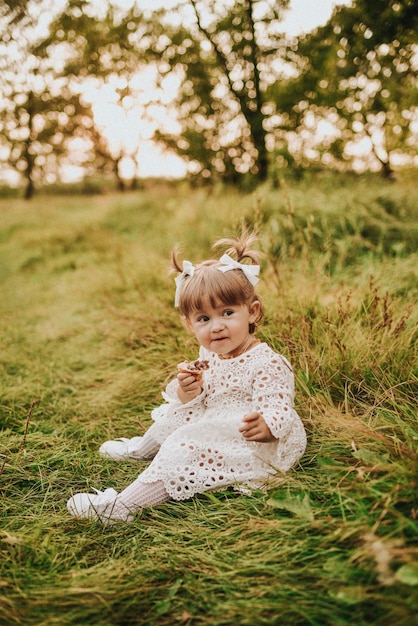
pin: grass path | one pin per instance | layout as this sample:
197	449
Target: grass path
88	338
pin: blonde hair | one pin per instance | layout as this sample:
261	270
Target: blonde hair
210	284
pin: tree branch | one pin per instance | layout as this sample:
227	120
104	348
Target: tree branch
222	59
248	9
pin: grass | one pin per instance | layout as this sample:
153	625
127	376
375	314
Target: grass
88	339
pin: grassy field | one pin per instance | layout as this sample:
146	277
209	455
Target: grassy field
88	339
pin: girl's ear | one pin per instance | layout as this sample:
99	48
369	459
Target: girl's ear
254	310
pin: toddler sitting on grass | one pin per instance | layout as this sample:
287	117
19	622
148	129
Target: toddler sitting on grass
229	423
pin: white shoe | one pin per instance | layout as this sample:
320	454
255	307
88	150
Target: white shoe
97	506
121	449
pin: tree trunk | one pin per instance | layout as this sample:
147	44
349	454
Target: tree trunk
120	183
27	155
255	117
387	171
29	190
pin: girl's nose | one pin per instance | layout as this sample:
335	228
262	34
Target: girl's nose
217	324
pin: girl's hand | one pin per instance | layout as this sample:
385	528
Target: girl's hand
190	386
254	428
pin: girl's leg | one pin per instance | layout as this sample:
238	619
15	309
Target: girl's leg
145	447
139	495
109	506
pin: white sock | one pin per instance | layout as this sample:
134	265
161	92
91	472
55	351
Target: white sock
139	495
147	448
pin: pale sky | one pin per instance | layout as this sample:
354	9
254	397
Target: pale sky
302	16
305	15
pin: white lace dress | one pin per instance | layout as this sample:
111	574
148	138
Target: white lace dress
201	446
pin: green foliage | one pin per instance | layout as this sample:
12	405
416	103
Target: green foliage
358	73
12	11
89	336
250	99
225	60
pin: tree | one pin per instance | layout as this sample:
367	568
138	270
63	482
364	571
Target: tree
357	74
110	50
222	55
12	11
43	74
225	58
246	93
41	114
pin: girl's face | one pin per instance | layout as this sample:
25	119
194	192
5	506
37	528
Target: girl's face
223	329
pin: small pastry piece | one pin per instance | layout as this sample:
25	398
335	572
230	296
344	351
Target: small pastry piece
193	367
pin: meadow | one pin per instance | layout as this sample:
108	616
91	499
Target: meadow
89	337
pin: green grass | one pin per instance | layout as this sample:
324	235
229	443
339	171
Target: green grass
88	339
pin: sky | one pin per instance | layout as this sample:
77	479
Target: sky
305	15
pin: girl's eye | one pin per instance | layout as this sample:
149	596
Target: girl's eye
228	312
202	318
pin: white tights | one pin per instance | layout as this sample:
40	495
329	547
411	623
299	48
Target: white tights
138	495
147	448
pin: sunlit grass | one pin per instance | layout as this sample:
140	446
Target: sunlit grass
88	338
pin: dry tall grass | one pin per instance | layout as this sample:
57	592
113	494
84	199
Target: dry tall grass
88	338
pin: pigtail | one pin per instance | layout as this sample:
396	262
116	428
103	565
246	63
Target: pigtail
175	267
241	246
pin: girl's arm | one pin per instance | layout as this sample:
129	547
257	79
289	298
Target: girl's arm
273	393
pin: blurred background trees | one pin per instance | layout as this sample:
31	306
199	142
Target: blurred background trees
219	84
357	77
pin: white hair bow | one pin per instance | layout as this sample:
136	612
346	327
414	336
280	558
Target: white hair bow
250	271
188	270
